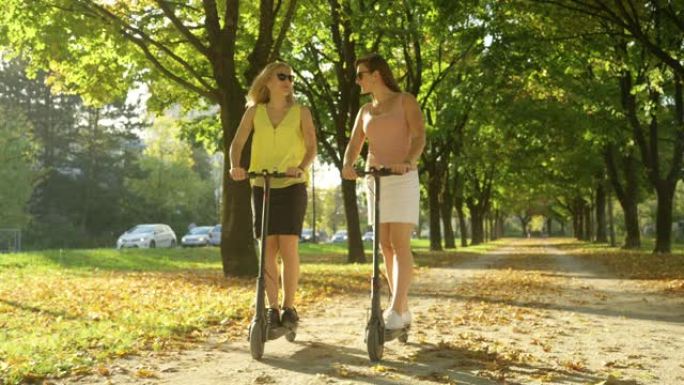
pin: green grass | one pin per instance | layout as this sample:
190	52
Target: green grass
118	260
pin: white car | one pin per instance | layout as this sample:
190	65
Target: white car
197	236
368	236
339	237
147	236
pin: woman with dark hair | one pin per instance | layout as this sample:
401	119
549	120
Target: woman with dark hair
284	140
393	124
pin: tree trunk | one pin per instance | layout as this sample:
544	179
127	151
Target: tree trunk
611	221
238	248
490	228
601	235
433	202
355	252
462	223
665	193
447	216
588	224
524	221
447	213
648	138
633	234
494	224
476	225
665	187
628	194
578	220
499	224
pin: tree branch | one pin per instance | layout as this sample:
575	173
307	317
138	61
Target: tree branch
143	41
287	21
192	39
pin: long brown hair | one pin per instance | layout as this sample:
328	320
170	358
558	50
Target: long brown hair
375	62
258	92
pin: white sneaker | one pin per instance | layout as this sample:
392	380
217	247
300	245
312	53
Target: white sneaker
393	320
406	318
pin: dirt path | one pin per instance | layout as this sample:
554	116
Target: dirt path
525	314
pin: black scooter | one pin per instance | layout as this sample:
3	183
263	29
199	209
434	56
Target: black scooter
376	334
259	332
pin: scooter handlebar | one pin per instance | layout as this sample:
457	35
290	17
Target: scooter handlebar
266	173
373	171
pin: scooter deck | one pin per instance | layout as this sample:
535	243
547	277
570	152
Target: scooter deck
279	331
391	334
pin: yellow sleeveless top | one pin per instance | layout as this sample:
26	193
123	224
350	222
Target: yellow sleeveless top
277	148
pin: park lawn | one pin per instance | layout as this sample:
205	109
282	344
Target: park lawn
65	312
70	312
665	270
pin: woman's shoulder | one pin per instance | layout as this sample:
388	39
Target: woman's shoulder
251	110
409	102
407	97
303	108
366	107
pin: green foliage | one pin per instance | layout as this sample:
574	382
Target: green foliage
17	168
170	191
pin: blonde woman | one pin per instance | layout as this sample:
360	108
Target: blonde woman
393	125
284	140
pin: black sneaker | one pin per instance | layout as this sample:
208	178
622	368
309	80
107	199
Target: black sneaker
273	317
289	318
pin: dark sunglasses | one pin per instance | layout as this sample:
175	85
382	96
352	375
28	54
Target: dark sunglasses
283	77
359	75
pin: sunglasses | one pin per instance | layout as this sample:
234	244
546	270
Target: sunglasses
359	75
282	77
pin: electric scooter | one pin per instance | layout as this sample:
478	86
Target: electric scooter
259	331
376	334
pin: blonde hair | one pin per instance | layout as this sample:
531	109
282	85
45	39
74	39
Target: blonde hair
258	92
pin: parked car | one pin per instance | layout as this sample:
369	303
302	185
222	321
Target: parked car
367	236
215	235
197	236
149	235
307	236
339	237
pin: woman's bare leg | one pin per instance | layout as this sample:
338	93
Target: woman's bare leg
387	253
400	236
271	270
289	252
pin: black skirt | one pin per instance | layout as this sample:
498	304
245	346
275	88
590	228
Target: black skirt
287	207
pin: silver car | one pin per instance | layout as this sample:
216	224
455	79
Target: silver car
368	236
197	236
147	236
339	237
215	236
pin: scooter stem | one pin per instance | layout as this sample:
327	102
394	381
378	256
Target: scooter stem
261	301
375	290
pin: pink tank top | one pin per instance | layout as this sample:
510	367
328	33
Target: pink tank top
389	139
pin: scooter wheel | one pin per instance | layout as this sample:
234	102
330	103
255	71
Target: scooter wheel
374	342
290	337
256	340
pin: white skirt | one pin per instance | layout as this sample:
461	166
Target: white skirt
399	198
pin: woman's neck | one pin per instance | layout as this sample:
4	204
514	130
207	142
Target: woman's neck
278	102
382	94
